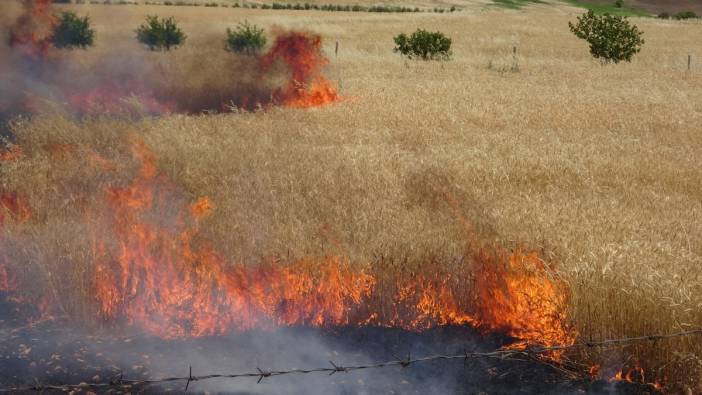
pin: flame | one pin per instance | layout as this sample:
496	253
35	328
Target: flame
201	208
161	276
524	299
10	153
105	91
13	207
31	33
636	374
302	53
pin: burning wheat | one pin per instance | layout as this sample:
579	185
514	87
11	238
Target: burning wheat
392	211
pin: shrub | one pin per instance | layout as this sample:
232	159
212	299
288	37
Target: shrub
619	3
159	34
612	38
423	44
685	15
72	31
246	38
664	15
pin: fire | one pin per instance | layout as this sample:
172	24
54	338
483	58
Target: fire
13	207
31	33
160	275
524	299
635	374
302	53
37	79
10	153
163	282
201	208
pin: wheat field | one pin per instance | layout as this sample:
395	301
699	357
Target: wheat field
598	166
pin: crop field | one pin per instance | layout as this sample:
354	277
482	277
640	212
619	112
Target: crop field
521	140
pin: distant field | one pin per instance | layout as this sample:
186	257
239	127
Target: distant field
657	6
598	166
630	6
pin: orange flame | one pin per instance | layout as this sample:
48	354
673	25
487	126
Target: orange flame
524	299
201	208
302	53
636	374
31	33
10	153
16	208
158	277
102	92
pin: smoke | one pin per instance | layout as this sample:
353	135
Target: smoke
36	77
146	265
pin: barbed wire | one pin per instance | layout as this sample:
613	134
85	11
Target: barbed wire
532	352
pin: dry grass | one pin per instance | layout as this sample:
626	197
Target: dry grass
599	165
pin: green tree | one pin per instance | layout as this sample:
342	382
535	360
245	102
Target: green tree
246	38
423	44
72	31
160	34
612	38
685	15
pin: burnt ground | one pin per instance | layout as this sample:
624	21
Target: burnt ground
658	6
52	352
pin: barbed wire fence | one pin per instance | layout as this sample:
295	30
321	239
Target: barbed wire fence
529	351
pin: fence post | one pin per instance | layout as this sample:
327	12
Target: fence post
689	62
336	49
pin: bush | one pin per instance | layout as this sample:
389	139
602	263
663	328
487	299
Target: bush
664	15
72	31
619	3
685	15
611	37
246	38
425	45
160	34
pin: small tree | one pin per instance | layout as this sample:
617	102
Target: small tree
612	38
423	44
72	31
159	34
246	38
685	15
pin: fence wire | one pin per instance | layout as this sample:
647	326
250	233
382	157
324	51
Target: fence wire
531	352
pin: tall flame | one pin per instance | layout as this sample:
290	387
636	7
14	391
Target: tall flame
31	33
302	53
106	91
158	277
